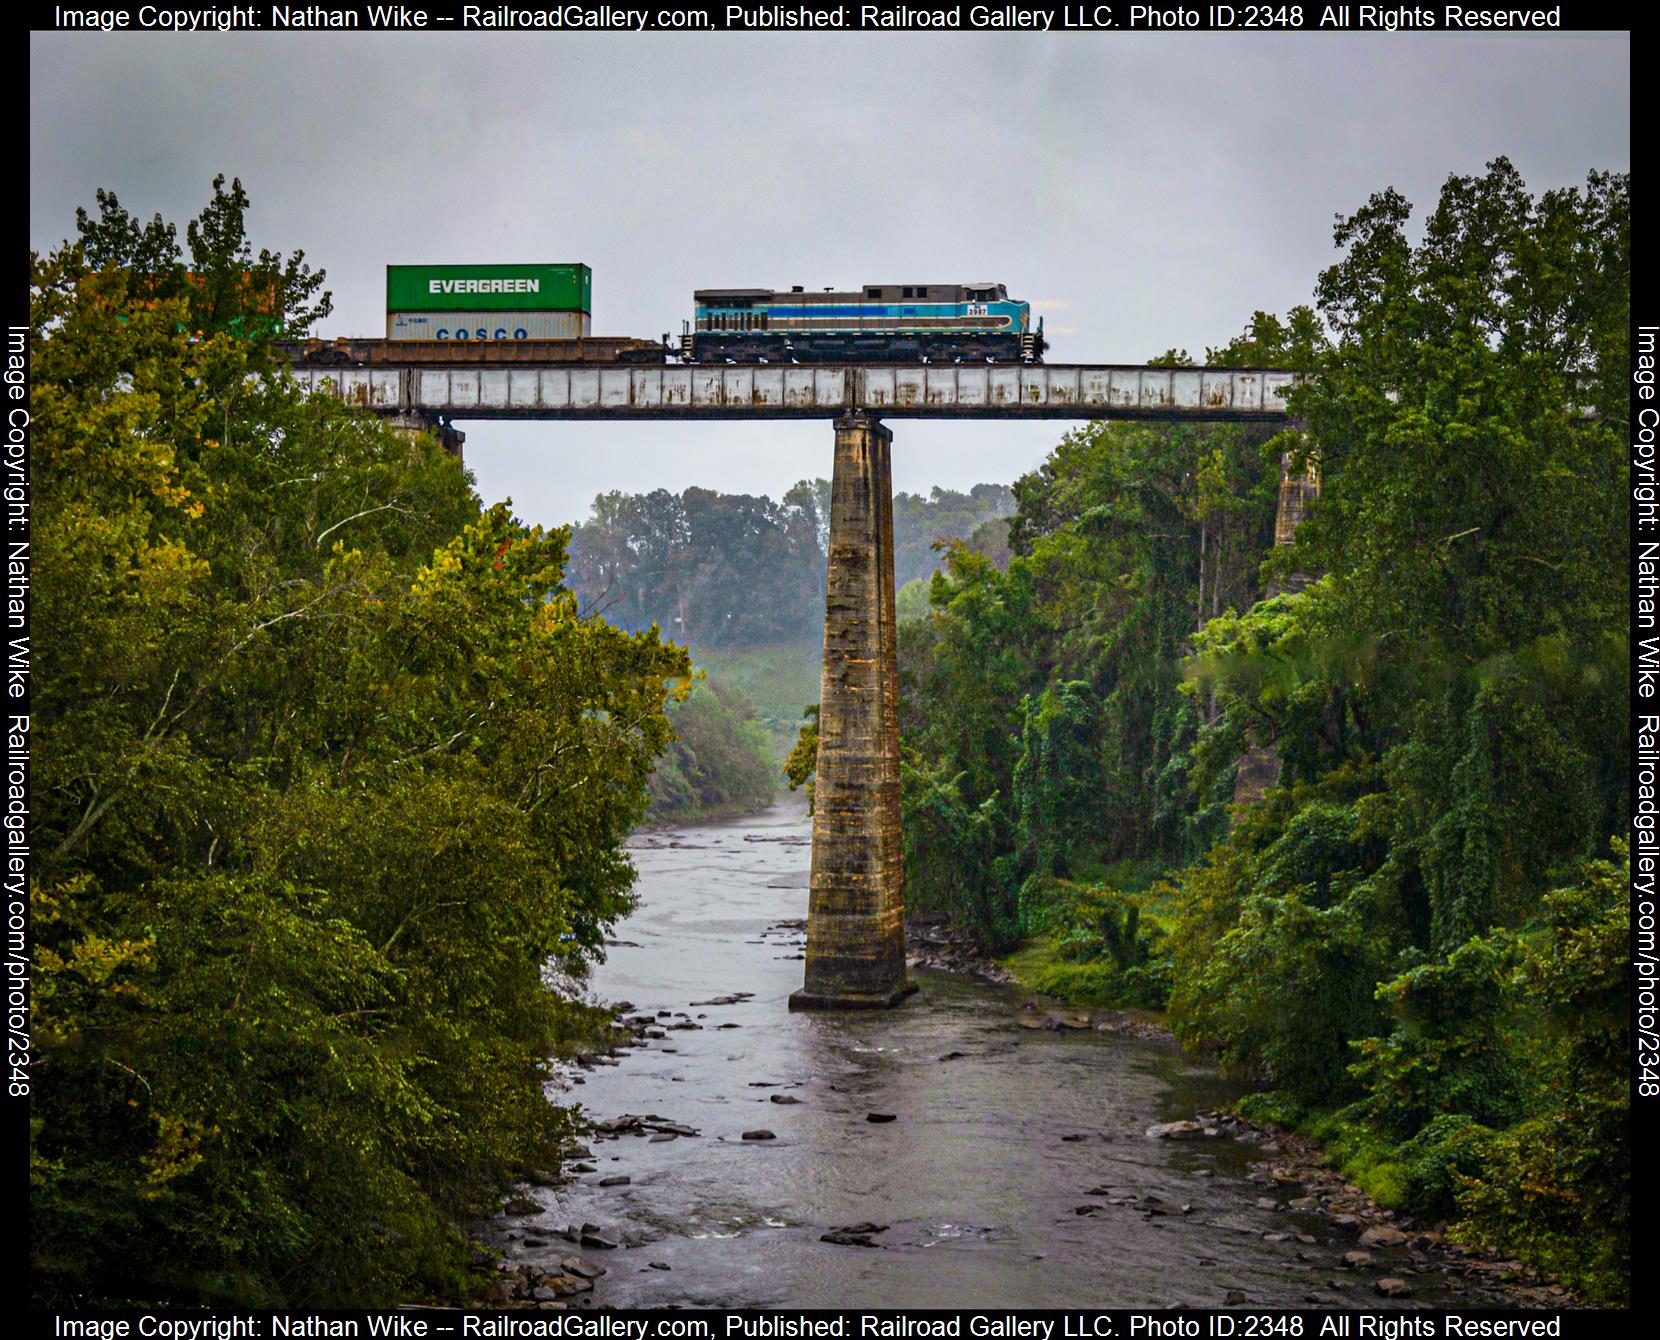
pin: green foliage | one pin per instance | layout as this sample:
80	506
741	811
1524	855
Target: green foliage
715	569
1446	1054
923	527
1373	1162
1280	938
801	767
1269	342
1271	1107
1045	701
1445	704
1091	945
1450	1153
777	679
1439	668
952	866
720	762
1057	775
225	287
1558	1183
328	769
1283	674
911	601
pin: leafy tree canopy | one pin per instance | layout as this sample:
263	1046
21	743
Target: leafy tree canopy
224	284
329	768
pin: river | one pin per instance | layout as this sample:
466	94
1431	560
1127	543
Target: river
1000	1135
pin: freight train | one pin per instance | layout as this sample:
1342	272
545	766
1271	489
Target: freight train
539	313
880	323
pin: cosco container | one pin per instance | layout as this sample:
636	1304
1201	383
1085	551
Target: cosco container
489	288
487	325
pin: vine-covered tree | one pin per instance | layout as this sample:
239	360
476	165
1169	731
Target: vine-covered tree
1448	701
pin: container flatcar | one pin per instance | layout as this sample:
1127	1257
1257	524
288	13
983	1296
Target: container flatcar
880	323
595	350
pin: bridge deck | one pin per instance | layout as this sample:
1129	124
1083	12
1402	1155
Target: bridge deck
702	391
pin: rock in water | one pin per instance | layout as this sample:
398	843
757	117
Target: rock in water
1382	1236
758	1135
854	1235
877	1118
1175	1130
575	1265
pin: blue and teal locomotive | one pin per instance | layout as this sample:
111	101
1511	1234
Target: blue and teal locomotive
881	323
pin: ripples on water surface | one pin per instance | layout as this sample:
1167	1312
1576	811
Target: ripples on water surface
979	1176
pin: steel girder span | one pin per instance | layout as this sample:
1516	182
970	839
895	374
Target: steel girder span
926	391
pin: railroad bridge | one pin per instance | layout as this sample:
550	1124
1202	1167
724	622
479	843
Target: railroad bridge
855	926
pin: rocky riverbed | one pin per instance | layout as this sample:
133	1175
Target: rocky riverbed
972	1148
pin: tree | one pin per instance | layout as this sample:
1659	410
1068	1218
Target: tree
328	769
801	767
1444	699
719	763
924	527
225	286
1043	695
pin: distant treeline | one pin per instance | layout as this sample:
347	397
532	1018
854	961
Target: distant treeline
734	570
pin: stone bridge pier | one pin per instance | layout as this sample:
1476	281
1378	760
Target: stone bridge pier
1259	765
856	911
413	422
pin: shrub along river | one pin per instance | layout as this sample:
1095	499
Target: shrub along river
956	1157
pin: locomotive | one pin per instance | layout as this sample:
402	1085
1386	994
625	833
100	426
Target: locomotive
881	323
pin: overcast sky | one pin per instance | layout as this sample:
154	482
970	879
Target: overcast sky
1143	191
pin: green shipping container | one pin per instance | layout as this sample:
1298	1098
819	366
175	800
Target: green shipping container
489	288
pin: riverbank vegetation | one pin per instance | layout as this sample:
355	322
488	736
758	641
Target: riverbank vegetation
720	763
328	768
1415	940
